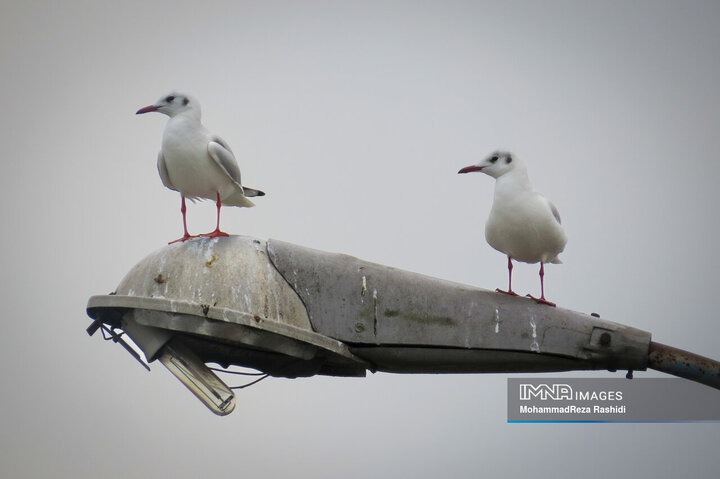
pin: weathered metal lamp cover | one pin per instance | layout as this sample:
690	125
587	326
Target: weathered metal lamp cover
291	311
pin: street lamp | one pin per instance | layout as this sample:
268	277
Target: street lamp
291	311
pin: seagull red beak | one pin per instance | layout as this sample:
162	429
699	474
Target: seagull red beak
147	109
467	169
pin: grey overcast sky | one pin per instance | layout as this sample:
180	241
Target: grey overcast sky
354	117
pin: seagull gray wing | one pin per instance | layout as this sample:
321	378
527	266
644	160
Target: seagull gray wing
555	212
223	156
162	169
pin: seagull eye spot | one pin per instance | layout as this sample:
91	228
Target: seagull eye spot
508	159
493	159
169	99
185	101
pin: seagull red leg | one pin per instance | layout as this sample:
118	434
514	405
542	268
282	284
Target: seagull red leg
542	299
186	235
509	291
217	231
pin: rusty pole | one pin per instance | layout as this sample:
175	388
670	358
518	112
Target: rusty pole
684	364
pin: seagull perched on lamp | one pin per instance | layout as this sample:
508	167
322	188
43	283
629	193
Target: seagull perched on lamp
523	224
195	162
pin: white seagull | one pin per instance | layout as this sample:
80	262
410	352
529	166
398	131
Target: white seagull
523	224
195	162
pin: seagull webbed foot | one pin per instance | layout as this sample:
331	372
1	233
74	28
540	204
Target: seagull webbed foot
185	237
214	234
509	293
541	300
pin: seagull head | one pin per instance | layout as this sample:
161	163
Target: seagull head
496	164
172	104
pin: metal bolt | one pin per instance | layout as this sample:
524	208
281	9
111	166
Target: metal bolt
605	339
359	327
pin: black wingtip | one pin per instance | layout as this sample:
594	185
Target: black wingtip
252	192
